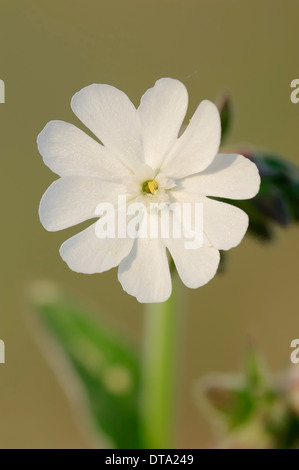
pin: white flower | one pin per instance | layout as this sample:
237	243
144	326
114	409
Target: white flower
142	155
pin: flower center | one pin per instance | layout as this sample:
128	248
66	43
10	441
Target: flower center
150	186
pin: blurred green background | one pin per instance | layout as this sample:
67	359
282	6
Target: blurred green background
49	50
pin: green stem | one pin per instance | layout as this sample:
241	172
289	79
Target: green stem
159	371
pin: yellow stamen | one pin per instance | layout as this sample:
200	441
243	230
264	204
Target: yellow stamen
150	186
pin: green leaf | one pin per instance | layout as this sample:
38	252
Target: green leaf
226	115
228	397
281	178
238	398
277	202
106	367
256	373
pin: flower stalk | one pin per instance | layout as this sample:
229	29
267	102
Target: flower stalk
159	371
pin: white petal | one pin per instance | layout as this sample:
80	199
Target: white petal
198	145
112	117
224	224
86	253
162	111
229	175
195	267
145	272
68	151
73	199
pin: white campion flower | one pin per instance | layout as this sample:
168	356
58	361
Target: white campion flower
140	153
